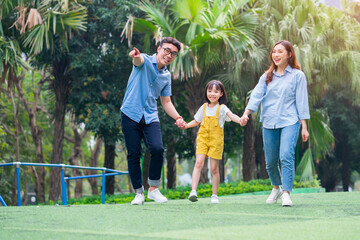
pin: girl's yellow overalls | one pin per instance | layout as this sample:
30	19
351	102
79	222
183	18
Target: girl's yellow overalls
210	138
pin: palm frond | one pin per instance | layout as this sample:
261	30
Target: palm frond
185	66
189	9
321	137
306	168
154	14
11	59
6	6
57	20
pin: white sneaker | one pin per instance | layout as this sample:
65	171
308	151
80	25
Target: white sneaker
138	200
286	201
274	195
214	199
193	196
157	196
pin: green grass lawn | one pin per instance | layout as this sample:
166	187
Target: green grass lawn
313	216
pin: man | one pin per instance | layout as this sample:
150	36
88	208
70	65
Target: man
149	80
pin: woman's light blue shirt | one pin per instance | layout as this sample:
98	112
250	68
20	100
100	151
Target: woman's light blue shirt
284	101
146	83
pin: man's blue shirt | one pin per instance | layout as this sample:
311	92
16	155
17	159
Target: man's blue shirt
146	83
284	101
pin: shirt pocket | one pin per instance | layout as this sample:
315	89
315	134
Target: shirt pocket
157	86
290	90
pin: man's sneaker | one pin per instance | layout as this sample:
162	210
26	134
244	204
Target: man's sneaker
214	199
274	195
193	196
156	196
138	200
286	201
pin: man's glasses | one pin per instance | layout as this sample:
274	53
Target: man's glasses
168	51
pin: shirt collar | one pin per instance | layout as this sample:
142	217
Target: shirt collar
153	61
287	69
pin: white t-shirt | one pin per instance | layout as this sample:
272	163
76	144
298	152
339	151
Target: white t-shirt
211	111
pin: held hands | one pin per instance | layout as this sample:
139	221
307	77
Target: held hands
181	123
244	119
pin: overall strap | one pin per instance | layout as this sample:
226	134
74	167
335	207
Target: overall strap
204	110
218	111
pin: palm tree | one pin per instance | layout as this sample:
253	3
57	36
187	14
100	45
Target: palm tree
46	26
325	41
214	34
351	8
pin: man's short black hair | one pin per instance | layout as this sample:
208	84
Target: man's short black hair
172	41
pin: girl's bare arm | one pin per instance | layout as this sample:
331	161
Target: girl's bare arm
233	117
191	124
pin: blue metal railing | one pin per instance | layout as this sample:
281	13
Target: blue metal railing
2	201
63	178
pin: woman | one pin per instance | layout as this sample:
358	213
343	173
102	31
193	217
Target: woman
282	92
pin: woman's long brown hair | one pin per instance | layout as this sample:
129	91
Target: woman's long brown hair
292	60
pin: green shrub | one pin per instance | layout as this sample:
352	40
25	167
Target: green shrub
204	190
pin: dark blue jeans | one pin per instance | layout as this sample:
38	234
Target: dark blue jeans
134	132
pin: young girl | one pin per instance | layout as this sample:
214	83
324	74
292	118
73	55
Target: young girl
210	139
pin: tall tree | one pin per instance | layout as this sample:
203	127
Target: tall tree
36	132
324	40
101	68
10	55
214	33
47	28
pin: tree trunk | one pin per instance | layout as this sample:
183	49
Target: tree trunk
39	174
131	189
61	87
36	134
260	156
68	189
342	151
329	170
204	178
346	172
249	150
93	163
16	125
14	190
16	138
145	169
59	125
25	196
109	163
74	160
222	169
194	89
171	164
76	154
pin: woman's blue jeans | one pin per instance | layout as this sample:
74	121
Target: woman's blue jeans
279	144
151	134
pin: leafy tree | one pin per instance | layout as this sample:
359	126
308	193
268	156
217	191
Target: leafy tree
101	68
344	124
325	42
46	26
352	8
32	121
213	33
